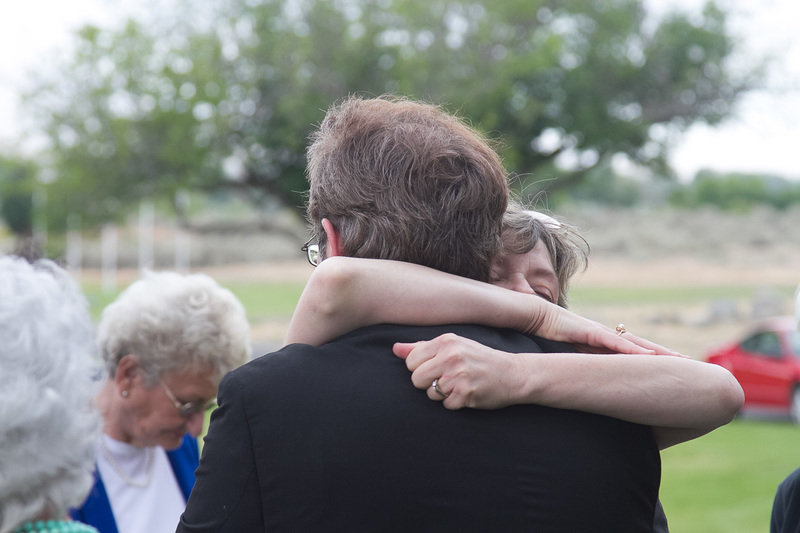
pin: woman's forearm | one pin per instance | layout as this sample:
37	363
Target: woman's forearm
346	293
667	392
661	391
679	397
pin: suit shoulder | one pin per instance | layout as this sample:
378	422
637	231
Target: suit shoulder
281	360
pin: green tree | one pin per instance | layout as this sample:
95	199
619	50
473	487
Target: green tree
224	96
17	183
130	118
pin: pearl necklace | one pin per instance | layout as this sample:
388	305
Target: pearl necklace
54	526
118	469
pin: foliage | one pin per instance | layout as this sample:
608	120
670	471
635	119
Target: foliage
601	186
121	124
736	192
17	181
223	95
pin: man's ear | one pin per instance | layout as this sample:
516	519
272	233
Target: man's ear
334	240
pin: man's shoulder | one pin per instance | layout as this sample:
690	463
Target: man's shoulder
791	483
265	374
499	338
380	338
287	355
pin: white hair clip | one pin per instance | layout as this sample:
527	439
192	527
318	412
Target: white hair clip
547	220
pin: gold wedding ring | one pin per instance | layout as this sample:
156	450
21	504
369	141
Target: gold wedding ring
621	329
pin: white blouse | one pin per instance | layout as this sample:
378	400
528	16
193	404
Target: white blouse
144	494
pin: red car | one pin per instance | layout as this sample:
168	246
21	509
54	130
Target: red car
766	362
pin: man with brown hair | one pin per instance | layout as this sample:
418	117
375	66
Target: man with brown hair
336	438
405	181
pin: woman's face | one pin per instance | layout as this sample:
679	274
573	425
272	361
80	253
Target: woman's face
154	419
530	273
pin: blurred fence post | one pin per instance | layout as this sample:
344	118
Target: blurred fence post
109	257
74	246
146	223
797	307
40	220
182	244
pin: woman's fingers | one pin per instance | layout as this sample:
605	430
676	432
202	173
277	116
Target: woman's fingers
657	348
415	353
459	372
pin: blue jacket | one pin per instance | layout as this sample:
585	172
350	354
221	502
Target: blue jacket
96	510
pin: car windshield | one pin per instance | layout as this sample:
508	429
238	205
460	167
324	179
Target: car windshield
765	344
794	338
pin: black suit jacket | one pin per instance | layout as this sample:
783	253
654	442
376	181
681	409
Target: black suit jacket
336	438
786	507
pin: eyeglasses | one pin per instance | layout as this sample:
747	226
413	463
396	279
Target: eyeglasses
312	252
187	409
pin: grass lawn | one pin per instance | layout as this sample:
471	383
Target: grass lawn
725	481
260	299
264	300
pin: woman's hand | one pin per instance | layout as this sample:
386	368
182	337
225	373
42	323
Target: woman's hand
469	373
552	322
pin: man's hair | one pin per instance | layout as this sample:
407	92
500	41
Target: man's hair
406	181
569	251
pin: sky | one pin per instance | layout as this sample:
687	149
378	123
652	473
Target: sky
762	136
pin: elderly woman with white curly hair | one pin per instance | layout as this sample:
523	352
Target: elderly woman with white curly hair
47	424
166	342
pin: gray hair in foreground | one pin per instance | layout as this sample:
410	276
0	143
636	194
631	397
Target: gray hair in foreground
47	423
175	323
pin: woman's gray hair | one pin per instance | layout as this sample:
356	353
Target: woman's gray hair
568	250
48	425
175	323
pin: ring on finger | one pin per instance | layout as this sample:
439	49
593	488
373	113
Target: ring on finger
437	390
621	329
